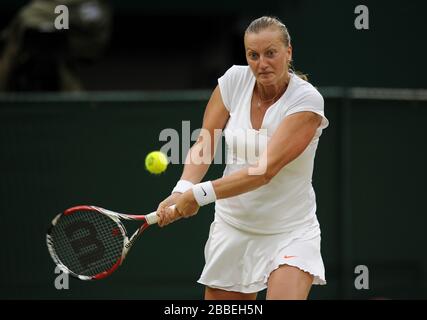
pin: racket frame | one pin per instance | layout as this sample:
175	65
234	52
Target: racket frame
146	220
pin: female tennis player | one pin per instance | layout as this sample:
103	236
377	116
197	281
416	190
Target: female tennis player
265	233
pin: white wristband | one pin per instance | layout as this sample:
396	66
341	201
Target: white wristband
182	186
204	193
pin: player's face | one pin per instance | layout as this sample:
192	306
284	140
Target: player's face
267	56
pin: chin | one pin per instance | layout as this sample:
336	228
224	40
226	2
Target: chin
266	80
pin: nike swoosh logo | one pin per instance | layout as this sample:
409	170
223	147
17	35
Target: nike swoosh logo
204	192
288	257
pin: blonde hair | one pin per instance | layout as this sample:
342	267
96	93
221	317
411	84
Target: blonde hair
266	22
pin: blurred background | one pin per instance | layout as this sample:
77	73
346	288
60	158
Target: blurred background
80	109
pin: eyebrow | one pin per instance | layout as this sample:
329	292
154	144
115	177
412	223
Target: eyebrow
268	48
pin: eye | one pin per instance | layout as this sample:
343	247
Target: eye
253	55
270	53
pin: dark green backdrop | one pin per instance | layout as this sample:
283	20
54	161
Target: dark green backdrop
188	44
59	151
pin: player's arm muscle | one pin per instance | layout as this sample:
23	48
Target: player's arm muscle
202	152
290	139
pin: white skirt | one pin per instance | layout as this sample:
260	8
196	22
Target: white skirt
241	261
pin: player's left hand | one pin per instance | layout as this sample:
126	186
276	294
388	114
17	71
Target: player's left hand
185	207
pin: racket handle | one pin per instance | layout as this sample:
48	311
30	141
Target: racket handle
152	217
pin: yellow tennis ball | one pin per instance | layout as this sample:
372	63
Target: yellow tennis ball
156	162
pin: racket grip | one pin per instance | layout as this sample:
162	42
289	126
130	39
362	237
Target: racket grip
152	217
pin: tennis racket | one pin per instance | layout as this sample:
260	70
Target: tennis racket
91	242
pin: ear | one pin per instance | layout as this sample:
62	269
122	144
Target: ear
289	51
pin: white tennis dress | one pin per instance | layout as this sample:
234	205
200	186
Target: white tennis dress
256	232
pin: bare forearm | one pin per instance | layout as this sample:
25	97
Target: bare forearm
196	164
194	172
237	183
200	155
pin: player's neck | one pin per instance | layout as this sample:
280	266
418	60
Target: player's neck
273	91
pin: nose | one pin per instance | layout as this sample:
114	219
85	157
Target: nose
263	63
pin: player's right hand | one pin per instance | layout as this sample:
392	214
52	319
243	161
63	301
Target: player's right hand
171	200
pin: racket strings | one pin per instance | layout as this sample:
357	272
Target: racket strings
87	242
